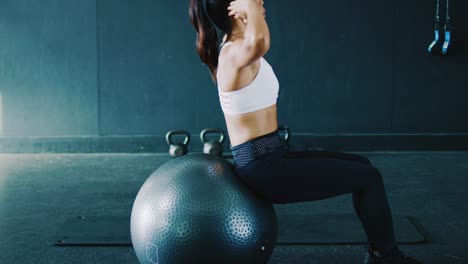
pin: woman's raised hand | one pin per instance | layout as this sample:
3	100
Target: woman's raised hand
240	8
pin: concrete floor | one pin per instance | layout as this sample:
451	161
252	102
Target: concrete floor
38	192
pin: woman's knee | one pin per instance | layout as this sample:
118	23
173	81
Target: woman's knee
353	157
362	158
375	177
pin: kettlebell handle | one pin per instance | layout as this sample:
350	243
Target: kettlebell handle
212	130
177	132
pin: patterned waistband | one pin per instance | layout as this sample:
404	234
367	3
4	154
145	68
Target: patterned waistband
255	148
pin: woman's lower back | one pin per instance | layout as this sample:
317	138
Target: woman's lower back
242	128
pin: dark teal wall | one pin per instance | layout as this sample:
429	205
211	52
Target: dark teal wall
121	67
48	68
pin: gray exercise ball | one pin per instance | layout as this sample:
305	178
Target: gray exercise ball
195	209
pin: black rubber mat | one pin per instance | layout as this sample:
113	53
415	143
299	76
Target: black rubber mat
320	229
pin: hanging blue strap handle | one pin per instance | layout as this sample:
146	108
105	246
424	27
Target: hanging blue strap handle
446	45
436	29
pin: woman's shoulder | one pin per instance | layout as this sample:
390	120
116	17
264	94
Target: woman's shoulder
223	51
227	43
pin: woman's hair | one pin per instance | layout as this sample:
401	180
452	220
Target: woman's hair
204	17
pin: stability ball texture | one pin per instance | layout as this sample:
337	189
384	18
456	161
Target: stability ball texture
195	209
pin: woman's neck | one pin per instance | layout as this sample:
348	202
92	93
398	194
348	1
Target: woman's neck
232	39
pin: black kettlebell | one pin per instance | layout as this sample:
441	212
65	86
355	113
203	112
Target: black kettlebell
213	147
287	134
177	149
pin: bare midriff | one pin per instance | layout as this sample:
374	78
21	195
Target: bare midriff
245	127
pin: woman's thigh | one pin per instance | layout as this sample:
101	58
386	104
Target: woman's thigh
310	175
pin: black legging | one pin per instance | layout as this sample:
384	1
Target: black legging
282	176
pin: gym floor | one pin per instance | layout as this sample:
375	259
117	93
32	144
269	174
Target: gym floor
38	192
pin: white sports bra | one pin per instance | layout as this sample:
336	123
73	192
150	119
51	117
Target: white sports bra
261	93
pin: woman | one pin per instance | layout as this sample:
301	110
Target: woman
248	91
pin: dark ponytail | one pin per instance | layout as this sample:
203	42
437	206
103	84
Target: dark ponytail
207	38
